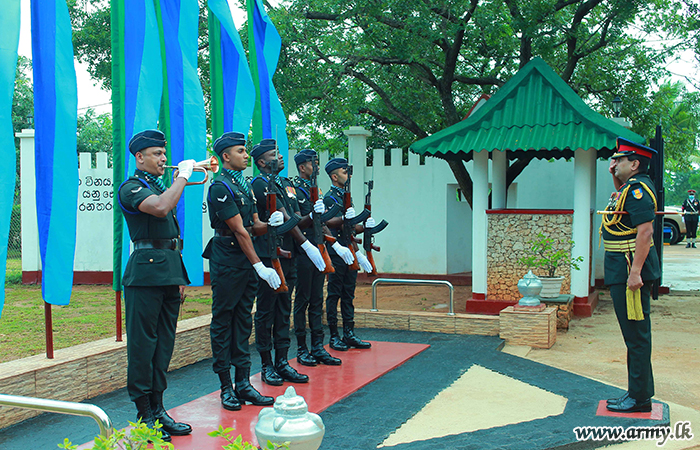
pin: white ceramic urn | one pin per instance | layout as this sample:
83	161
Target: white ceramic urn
290	421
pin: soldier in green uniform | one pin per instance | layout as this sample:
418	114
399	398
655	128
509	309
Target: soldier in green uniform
631	266
691	206
273	308
154	279
233	265
341	283
309	287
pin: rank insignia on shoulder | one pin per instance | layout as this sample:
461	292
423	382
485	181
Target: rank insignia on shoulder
637	193
223	199
133	191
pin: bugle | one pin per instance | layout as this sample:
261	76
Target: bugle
206	166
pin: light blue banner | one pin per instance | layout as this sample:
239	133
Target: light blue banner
187	120
239	90
9	40
55	116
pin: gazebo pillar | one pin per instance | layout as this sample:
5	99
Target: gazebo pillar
584	165
480	198
499	164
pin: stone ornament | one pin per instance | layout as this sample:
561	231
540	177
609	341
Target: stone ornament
289	420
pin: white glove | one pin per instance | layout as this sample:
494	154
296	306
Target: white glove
276	219
268	274
185	169
314	255
319	208
350	213
364	262
370	223
343	252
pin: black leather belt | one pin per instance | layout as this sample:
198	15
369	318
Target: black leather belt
223	232
165	244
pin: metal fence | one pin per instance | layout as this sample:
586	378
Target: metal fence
14	244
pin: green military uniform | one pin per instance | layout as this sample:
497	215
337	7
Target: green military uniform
274	309
151	287
341	283
234	282
619	232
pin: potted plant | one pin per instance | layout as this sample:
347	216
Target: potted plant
540	253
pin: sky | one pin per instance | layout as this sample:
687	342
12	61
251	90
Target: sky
91	96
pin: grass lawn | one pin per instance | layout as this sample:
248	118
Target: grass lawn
89	316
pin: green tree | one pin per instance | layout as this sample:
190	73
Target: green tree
94	132
406	69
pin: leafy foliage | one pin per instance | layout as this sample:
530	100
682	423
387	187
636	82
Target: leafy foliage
239	444
544	253
140	437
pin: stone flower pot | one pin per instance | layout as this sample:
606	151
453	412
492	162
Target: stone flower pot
529	287
551	287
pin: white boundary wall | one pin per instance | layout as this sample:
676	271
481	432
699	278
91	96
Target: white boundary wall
429	229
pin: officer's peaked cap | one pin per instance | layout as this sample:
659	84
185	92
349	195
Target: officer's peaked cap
629	148
146	139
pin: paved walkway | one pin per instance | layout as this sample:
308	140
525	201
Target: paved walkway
494	400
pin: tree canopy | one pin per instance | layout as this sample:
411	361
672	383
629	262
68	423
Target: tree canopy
407	68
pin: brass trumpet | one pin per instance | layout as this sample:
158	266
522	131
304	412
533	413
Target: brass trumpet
206	166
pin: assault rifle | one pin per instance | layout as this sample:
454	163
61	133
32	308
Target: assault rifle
348	230
320	219
369	233
275	234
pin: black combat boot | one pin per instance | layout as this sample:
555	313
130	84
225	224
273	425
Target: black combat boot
268	373
320	353
228	397
304	357
246	392
143	406
336	343
350	339
286	371
173	428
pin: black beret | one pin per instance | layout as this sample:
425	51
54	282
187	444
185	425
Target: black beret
264	146
227	140
145	139
336	163
305	155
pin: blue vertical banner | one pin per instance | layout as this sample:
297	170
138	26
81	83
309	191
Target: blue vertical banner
266	45
9	40
137	79
186	120
55	116
234	89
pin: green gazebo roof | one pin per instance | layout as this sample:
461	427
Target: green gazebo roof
536	111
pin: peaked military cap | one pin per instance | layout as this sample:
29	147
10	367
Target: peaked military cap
691	191
305	155
629	148
146	139
336	163
264	146
227	140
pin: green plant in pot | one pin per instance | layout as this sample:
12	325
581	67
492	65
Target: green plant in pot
542	253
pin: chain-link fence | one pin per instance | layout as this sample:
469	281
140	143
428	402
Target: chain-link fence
14	244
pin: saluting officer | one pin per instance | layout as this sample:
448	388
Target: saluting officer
233	264
631	266
691	206
341	283
273	309
154	279
309	286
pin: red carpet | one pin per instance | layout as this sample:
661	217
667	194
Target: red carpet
657	412
327	385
